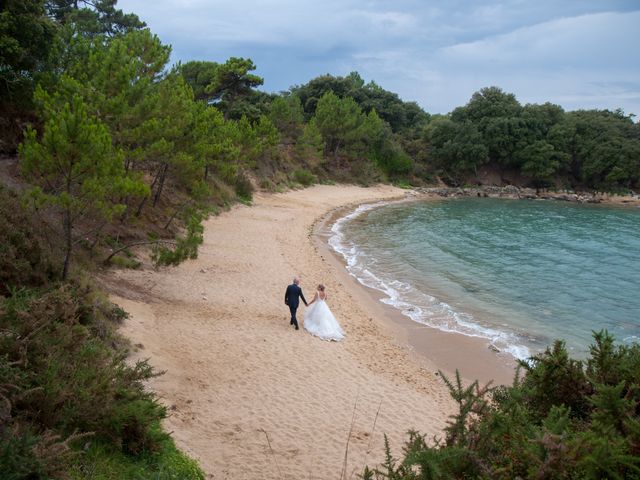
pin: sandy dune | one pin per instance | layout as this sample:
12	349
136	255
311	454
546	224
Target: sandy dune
250	397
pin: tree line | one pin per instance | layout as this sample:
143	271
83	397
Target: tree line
596	149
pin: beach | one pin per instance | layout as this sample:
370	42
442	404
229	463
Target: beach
250	397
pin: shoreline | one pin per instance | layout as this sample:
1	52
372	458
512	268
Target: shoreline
431	347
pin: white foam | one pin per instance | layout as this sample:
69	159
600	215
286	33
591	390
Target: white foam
413	303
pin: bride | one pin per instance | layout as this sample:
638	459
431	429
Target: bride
318	319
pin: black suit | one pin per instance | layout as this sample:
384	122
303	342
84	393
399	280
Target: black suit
291	298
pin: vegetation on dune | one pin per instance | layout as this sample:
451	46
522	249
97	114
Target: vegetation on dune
563	419
117	149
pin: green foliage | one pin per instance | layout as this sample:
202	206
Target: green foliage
199	75
310	145
94	17
23	259
304	177
287	116
102	462
560	421
555	379
77	171
26	35
231	81
401	116
60	373
186	245
456	148
338	121
594	149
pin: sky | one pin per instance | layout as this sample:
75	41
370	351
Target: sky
580	54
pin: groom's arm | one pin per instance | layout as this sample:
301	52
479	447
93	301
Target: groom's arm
302	297
286	296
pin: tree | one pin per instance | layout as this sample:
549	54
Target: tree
213	142
310	144
338	120
199	75
456	148
77	170
287	115
117	79
369	96
232	81
26	35
541	162
167	151
94	17
489	102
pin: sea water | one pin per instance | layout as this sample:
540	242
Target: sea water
519	273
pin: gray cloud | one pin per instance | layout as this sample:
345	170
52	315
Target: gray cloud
580	54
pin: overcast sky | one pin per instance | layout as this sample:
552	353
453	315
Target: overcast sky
578	54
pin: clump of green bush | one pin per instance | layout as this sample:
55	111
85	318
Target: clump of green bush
304	177
243	187
564	419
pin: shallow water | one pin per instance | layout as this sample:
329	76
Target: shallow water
519	273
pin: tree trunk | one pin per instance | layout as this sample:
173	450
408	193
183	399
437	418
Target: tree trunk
163	176
144	200
68	243
175	214
206	171
336	158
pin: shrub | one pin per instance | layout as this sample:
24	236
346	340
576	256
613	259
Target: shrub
560	421
23	261
186	246
243	187
304	177
60	377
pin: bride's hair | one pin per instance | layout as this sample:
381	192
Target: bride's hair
321	287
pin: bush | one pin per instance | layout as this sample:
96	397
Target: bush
60	377
243	187
23	261
304	177
561	421
186	246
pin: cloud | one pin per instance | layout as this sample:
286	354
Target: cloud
575	53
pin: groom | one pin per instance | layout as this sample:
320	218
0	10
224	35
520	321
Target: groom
291	298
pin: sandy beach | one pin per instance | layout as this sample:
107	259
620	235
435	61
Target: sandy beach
250	397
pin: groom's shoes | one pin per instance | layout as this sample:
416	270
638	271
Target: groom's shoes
297	327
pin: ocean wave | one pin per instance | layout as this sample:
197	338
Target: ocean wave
417	305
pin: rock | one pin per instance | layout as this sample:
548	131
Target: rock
493	348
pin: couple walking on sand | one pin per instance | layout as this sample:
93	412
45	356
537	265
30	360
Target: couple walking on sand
318	319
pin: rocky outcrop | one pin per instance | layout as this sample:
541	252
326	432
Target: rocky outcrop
511	191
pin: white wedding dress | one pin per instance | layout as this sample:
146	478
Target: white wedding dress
319	321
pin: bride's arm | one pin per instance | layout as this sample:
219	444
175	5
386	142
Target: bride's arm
315	297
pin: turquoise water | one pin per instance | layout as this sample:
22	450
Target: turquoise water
518	273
